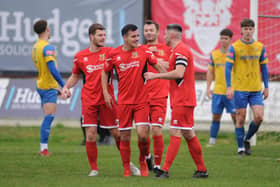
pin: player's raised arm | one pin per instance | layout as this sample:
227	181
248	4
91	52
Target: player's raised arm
152	59
164	64
177	73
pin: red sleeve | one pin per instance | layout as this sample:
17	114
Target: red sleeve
76	69
152	59
182	59
108	65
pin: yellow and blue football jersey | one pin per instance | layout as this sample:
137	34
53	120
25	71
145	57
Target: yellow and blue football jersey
42	53
246	59
217	64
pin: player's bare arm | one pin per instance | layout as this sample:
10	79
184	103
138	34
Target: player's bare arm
229	93
160	68
178	73
72	81
265	93
164	64
264	72
228	71
107	97
209	78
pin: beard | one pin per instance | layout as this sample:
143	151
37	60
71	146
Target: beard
98	45
152	39
167	43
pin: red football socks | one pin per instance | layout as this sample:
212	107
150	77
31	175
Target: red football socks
91	150
158	149
172	151
196	152
117	141
125	154
148	141
143	148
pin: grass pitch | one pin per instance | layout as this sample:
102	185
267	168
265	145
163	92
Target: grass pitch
20	164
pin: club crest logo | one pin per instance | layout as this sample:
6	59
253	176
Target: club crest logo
134	54
161	52
102	57
205	19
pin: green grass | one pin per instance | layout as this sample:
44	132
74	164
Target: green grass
20	164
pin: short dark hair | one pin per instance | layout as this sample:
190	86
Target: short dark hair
226	32
40	26
175	27
94	27
247	23
127	28
151	22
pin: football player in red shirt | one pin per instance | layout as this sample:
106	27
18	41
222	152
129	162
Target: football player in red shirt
130	61
90	62
183	102
157	91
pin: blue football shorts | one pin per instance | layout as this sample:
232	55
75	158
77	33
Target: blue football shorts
243	98
47	96
219	102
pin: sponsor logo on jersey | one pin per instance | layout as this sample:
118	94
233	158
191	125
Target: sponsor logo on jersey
249	57
92	68
50	53
221	64
230	54
124	67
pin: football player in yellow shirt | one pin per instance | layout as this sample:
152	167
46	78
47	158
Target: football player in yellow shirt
44	58
216	72
247	61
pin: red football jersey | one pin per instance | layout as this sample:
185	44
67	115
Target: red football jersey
130	67
91	65
158	88
182	91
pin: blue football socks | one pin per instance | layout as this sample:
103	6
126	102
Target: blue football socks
253	128
46	128
239	132
215	126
